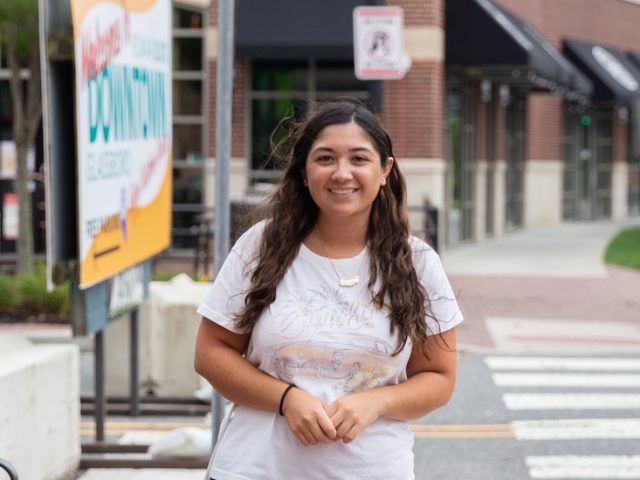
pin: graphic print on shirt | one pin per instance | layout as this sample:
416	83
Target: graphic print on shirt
317	310
335	345
357	362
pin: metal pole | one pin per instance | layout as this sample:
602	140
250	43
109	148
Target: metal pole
133	378
224	85
100	404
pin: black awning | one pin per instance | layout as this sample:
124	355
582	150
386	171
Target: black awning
635	58
614	76
295	29
482	34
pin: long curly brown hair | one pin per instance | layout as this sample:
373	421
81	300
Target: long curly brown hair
292	214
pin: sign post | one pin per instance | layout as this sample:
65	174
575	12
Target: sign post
108	180
224	80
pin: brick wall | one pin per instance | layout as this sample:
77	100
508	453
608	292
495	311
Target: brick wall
619	139
609	22
544	132
213	12
413	107
238	101
412	111
481	125
500	126
421	12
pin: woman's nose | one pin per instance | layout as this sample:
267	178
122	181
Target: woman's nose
342	171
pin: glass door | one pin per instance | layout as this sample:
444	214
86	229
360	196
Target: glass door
515	158
461	160
587	150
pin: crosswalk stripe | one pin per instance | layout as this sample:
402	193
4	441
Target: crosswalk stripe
570	401
577	429
566	380
470	430
164	425
578	466
563	363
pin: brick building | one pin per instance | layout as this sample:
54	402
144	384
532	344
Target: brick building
515	113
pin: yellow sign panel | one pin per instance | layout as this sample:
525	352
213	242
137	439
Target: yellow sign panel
123	116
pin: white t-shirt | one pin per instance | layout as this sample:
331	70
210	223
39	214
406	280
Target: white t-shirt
329	341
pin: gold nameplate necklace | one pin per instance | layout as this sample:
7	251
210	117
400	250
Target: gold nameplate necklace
344	282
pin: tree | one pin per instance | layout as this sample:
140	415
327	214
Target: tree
19	41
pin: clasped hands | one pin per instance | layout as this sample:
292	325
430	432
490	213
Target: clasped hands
314	421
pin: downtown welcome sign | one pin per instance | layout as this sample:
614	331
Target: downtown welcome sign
124	143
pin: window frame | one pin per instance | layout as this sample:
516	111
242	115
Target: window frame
201	122
310	95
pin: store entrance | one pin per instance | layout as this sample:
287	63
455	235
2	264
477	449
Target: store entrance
515	144
460	160
587	164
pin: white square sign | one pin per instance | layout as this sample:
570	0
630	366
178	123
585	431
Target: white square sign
378	40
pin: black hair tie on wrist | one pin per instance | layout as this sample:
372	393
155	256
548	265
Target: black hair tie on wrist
284	394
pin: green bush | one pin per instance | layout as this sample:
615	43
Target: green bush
166	275
9	295
624	249
162	275
25	295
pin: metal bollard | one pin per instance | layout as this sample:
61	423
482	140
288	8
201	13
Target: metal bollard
7	467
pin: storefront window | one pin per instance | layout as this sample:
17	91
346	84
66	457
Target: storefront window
587	150
280	96
279	78
190	19
515	142
460	159
187	54
6	111
189	126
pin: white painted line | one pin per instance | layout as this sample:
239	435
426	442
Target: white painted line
577	429
583	467
545	336
570	401
563	363
564	380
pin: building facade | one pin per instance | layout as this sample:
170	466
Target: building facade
506	120
514	113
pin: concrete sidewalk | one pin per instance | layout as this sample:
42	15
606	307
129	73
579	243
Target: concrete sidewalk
547	290
568	250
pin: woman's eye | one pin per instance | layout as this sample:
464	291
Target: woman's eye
359	159
325	159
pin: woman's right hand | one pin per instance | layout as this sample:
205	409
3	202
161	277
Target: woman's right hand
307	418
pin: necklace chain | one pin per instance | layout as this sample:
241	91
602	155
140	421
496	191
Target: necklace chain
344	282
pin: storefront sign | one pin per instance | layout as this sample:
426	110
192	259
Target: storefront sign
615	68
123	116
378	39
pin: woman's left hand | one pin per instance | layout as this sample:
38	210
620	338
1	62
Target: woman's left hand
350	414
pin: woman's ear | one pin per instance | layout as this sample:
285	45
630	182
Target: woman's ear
387	170
303	173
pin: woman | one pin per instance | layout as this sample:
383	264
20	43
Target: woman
350	319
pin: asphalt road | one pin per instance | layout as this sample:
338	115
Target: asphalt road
535	417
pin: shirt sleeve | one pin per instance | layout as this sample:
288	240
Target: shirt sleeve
225	298
443	312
